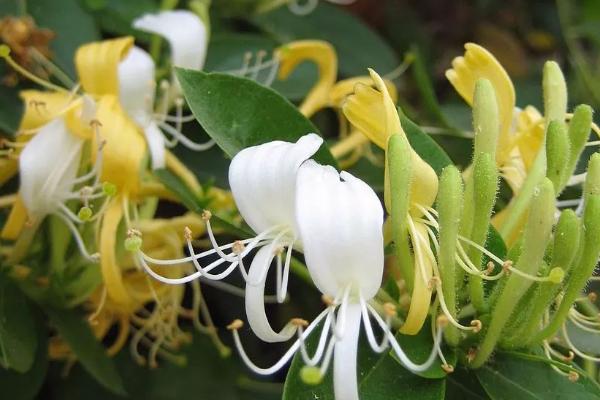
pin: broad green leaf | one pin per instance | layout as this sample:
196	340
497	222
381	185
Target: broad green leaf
72	25
424	145
357	46
25	386
77	333
178	187
10	108
226	53
18	340
380	377
238	113
508	376
116	16
463	384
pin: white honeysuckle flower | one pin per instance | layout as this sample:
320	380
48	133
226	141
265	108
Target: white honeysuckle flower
340	221
185	32
48	167
137	94
263	184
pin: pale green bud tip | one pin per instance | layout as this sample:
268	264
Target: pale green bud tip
311	375
555	92
109	189
557	151
485	117
592	179
85	213
4	51
133	243
556	275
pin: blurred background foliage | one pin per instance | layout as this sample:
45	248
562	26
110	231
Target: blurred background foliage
420	36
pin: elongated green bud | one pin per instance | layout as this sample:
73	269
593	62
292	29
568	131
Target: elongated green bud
485	186
566	240
449	202
485	117
579	133
558	148
535	239
555	92
592	179
399	170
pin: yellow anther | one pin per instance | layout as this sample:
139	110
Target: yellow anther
389	309
238	247
573	376
592	296
206	215
433	282
471	354
299	322
442	321
131	232
476	324
448	368
507	266
489	268
187	233
570	357
94	123
235	325
328	300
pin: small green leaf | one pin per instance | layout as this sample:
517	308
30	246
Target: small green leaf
25	386
424	145
357	46
77	333
525	378
18	341
238	112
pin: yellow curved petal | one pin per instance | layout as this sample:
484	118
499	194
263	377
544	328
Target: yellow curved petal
125	147
479	63
42	107
16	221
322	54
111	272
97	65
344	88
421	295
530	134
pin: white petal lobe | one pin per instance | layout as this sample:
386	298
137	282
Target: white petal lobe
136	85
340	221
345	383
185	32
156	145
263	180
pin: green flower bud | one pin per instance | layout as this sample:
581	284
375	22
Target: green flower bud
555	92
133	243
592	179
85	213
558	148
311	375
485	118
579	133
397	199
109	189
566	240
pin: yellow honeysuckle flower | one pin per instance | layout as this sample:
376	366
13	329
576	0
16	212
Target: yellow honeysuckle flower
521	131
374	113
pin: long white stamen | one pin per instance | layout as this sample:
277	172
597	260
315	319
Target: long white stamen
339	325
398	349
316	358
180	137
285	358
77	236
575	349
283	284
378	348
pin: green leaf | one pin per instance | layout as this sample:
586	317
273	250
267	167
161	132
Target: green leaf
72	25
357	46
238	113
424	145
18	341
11	108
511	377
179	188
25	386
116	16
77	333
463	384
380	377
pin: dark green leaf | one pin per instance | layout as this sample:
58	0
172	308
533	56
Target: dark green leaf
18	340
72	25
357	46
17	386
462	384
115	16
179	188
77	333
10	109
238	113
380	377
510	377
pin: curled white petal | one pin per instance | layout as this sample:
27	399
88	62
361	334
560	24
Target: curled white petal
340	220
136	85
255	299
263	180
345	383
185	32
48	166
156	145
